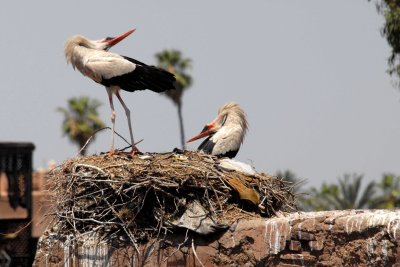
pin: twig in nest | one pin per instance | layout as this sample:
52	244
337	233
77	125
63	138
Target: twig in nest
195	254
179	246
99	130
15	234
87	166
138	142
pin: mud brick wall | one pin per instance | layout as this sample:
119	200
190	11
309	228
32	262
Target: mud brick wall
328	238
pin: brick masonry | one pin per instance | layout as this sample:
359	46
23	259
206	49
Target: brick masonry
328	238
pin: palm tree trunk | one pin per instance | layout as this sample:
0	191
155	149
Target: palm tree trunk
179	106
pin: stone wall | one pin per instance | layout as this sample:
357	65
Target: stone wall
329	238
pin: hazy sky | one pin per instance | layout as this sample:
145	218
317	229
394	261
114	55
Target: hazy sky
310	75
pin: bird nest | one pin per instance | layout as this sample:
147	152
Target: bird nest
149	195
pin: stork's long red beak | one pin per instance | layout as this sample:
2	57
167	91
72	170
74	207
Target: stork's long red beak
207	130
111	41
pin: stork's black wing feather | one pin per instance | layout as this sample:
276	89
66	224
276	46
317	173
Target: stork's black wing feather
230	154
207	147
137	62
143	77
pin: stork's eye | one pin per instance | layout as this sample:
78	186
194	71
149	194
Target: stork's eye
224	119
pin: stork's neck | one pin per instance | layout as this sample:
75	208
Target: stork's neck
236	123
231	133
77	48
75	56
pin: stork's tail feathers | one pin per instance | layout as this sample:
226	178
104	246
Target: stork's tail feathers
144	77
159	79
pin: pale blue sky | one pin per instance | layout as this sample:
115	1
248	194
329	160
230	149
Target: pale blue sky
310	75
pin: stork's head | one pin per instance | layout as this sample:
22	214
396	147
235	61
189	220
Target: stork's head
76	46
229	115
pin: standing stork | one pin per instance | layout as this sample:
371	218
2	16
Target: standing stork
115	72
225	133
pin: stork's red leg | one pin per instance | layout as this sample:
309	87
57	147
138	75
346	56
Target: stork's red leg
113	115
128	116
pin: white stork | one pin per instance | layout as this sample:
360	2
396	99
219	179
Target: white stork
115	72
225	133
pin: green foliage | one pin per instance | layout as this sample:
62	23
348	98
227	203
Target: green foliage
390	9
388	196
345	195
81	119
173	61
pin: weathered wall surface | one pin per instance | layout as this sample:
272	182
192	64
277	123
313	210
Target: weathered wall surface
330	238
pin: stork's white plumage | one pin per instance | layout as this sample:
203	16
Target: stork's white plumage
115	72
225	133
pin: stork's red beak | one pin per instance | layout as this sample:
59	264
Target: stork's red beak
207	130
111	41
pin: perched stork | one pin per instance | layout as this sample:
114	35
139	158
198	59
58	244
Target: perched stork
225	133
115	72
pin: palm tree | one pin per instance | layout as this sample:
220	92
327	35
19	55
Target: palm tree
390	9
81	120
389	192
173	61
346	195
